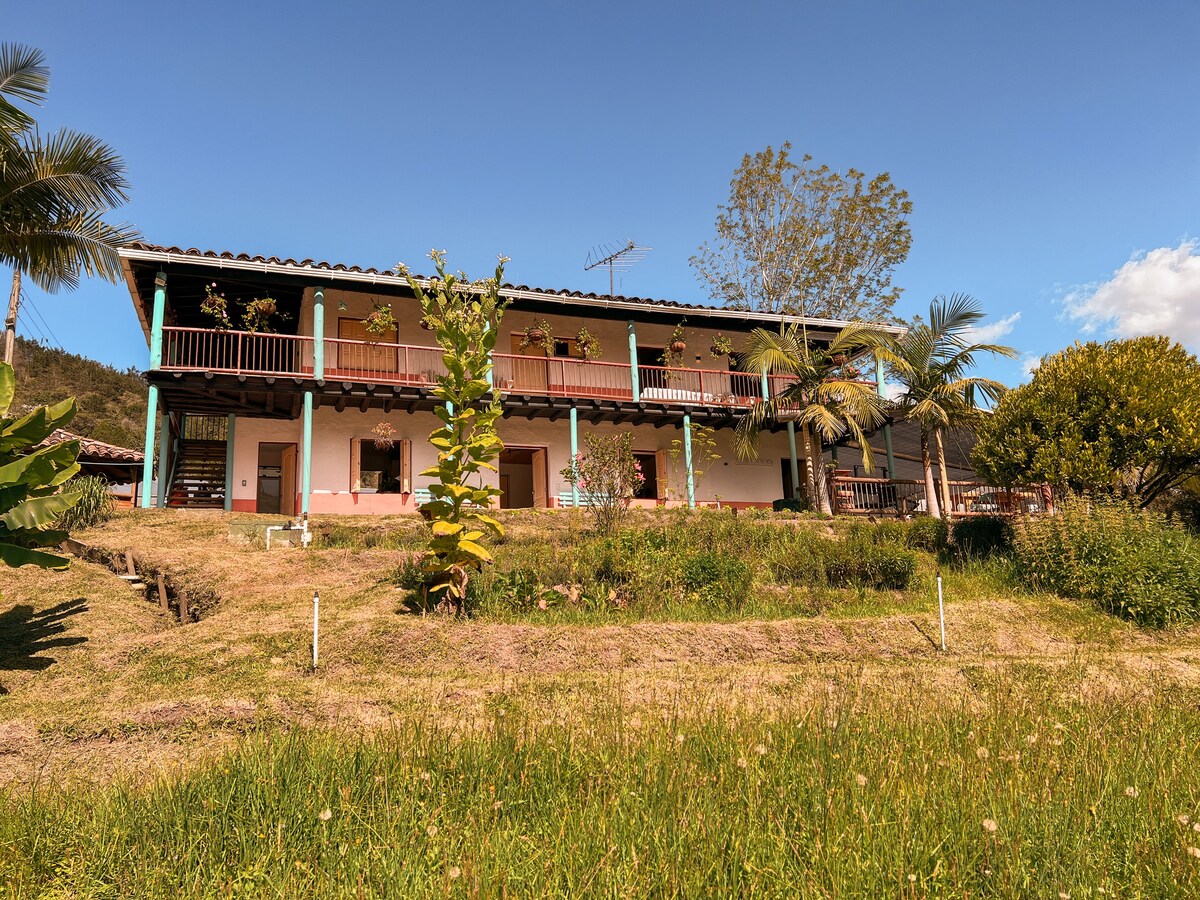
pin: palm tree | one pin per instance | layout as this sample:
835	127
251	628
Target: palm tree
55	190
930	362
822	398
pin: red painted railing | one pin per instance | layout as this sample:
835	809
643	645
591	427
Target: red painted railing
882	496
380	363
240	352
701	387
236	352
558	376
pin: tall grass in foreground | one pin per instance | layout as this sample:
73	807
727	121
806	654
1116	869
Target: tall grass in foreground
850	798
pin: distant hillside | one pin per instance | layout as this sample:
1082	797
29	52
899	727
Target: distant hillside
112	403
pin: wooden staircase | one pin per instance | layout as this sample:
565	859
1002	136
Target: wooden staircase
199	477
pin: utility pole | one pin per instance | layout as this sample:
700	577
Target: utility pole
10	321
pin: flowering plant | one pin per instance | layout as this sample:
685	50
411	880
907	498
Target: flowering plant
381	321
215	305
257	316
385	435
607	476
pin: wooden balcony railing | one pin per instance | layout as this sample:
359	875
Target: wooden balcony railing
235	352
561	377
892	497
243	353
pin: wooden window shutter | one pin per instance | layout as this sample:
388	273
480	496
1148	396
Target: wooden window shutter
661	473
405	466
355	464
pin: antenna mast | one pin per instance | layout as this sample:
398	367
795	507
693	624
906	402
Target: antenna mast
622	259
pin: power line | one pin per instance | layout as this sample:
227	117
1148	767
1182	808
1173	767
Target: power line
53	337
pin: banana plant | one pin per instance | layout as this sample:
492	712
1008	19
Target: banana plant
30	479
463	316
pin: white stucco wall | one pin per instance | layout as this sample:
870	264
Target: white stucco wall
728	479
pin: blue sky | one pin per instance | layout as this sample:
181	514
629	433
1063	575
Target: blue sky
1045	146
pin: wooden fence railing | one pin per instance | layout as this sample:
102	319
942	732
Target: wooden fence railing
898	497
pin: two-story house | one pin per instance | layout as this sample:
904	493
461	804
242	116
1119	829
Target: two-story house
319	415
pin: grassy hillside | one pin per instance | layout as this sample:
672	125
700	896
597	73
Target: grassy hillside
112	403
1050	750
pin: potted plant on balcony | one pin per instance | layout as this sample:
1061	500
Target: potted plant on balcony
216	306
381	321
587	343
258	314
539	335
672	357
721	346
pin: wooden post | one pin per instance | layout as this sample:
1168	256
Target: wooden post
162	593
183	608
129	567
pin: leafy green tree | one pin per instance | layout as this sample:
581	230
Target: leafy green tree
1122	417
930	362
55	191
464	316
30	480
806	240
823	397
607	475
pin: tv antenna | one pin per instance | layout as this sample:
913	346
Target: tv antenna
621	259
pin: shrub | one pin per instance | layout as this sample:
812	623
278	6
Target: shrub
883	567
982	537
607	476
95	505
1131	563
717	579
880	532
787	504
928	534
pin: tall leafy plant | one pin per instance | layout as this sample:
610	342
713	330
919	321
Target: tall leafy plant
464	316
30	479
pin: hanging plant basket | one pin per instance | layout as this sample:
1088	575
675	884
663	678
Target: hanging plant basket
539	334
589	346
721	346
678	346
672	357
381	321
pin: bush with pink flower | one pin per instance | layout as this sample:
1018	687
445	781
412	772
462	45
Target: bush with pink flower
607	477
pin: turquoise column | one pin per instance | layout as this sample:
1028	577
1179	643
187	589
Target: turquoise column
574	452
229	463
306	469
766	385
887	429
487	326
633	362
319	334
687	461
794	460
156	326
164	434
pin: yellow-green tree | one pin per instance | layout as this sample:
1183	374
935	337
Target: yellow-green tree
464	316
1121	417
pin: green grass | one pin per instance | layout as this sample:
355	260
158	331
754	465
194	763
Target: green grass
855	797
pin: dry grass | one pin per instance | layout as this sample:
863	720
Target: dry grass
109	684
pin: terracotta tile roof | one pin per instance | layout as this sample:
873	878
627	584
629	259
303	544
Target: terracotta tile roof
93	449
323	266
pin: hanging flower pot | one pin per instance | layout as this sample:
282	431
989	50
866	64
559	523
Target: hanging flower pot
672	357
425	326
539	334
678	346
381	321
589	346
839	359
721	346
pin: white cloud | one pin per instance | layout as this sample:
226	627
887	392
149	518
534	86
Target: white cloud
993	331
1029	364
1154	293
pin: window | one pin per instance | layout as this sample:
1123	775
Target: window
380	470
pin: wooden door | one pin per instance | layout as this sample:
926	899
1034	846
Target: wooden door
287	481
366	358
540	486
529	373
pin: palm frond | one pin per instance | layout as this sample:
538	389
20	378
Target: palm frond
23	76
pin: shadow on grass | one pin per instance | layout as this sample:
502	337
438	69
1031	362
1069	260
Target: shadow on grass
26	634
